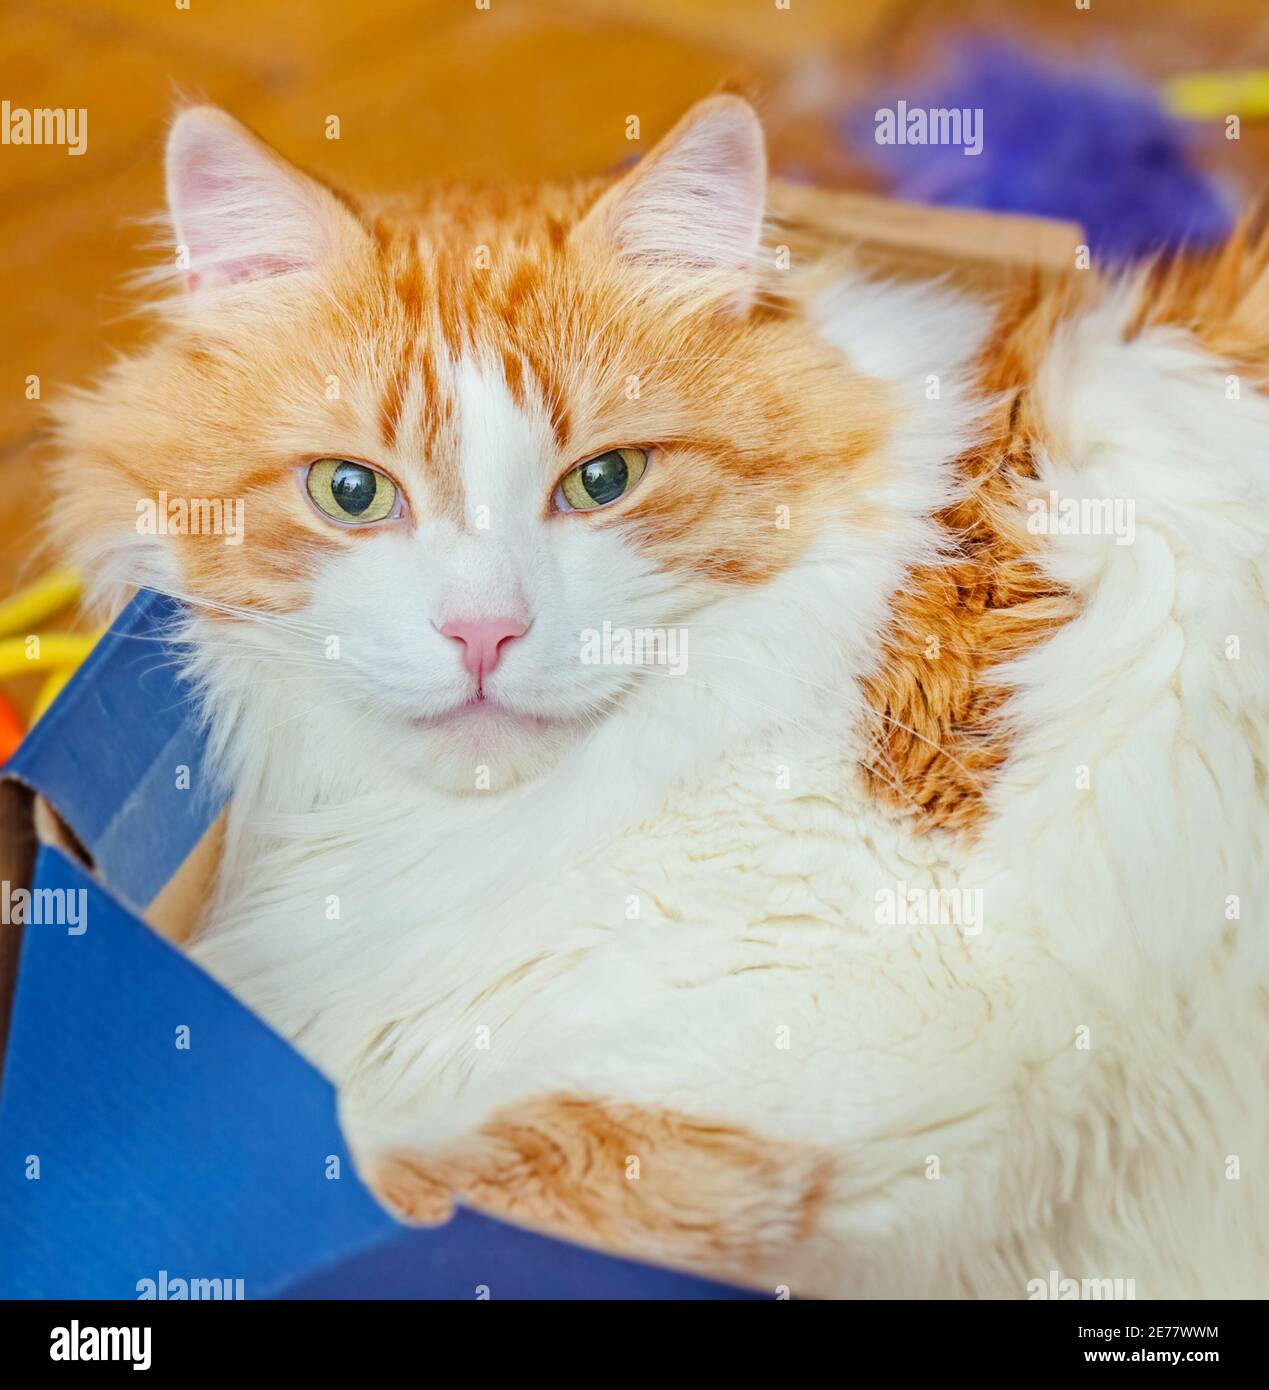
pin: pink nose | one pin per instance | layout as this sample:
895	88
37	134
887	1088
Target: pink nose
483	641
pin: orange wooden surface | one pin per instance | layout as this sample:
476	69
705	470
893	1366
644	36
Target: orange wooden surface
523	88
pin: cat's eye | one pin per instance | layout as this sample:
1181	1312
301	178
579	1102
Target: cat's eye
353	493
601	480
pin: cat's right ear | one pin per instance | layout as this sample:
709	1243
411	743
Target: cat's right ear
691	211
239	211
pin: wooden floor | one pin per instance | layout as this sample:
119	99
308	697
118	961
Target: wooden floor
522	88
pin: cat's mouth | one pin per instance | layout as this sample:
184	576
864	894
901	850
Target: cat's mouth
484	710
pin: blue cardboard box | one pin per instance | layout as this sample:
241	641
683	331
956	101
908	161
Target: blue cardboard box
157	1139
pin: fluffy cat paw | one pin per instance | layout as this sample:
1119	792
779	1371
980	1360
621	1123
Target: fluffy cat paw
404	1185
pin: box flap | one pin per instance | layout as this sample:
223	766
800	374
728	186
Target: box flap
120	756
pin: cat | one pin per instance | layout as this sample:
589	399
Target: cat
738	759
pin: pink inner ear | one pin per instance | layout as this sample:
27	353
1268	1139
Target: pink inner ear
237	272
241	213
699	203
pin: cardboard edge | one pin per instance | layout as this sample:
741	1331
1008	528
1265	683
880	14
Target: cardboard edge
175	912
17	860
926	240
28	820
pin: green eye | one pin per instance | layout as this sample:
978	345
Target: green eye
353	493
600	480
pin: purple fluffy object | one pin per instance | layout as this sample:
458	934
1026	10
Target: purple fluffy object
1091	145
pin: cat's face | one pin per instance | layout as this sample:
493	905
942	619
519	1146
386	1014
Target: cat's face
483	445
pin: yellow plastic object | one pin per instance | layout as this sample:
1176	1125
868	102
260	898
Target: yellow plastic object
1214	95
49	692
47	652
30	606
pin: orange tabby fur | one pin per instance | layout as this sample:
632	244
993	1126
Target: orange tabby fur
516	277
645	1182
939	735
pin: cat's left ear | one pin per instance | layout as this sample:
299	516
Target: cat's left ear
240	212
693	207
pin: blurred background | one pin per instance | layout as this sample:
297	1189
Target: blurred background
1114	113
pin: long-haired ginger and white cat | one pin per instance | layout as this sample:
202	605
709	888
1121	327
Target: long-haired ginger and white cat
904	934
